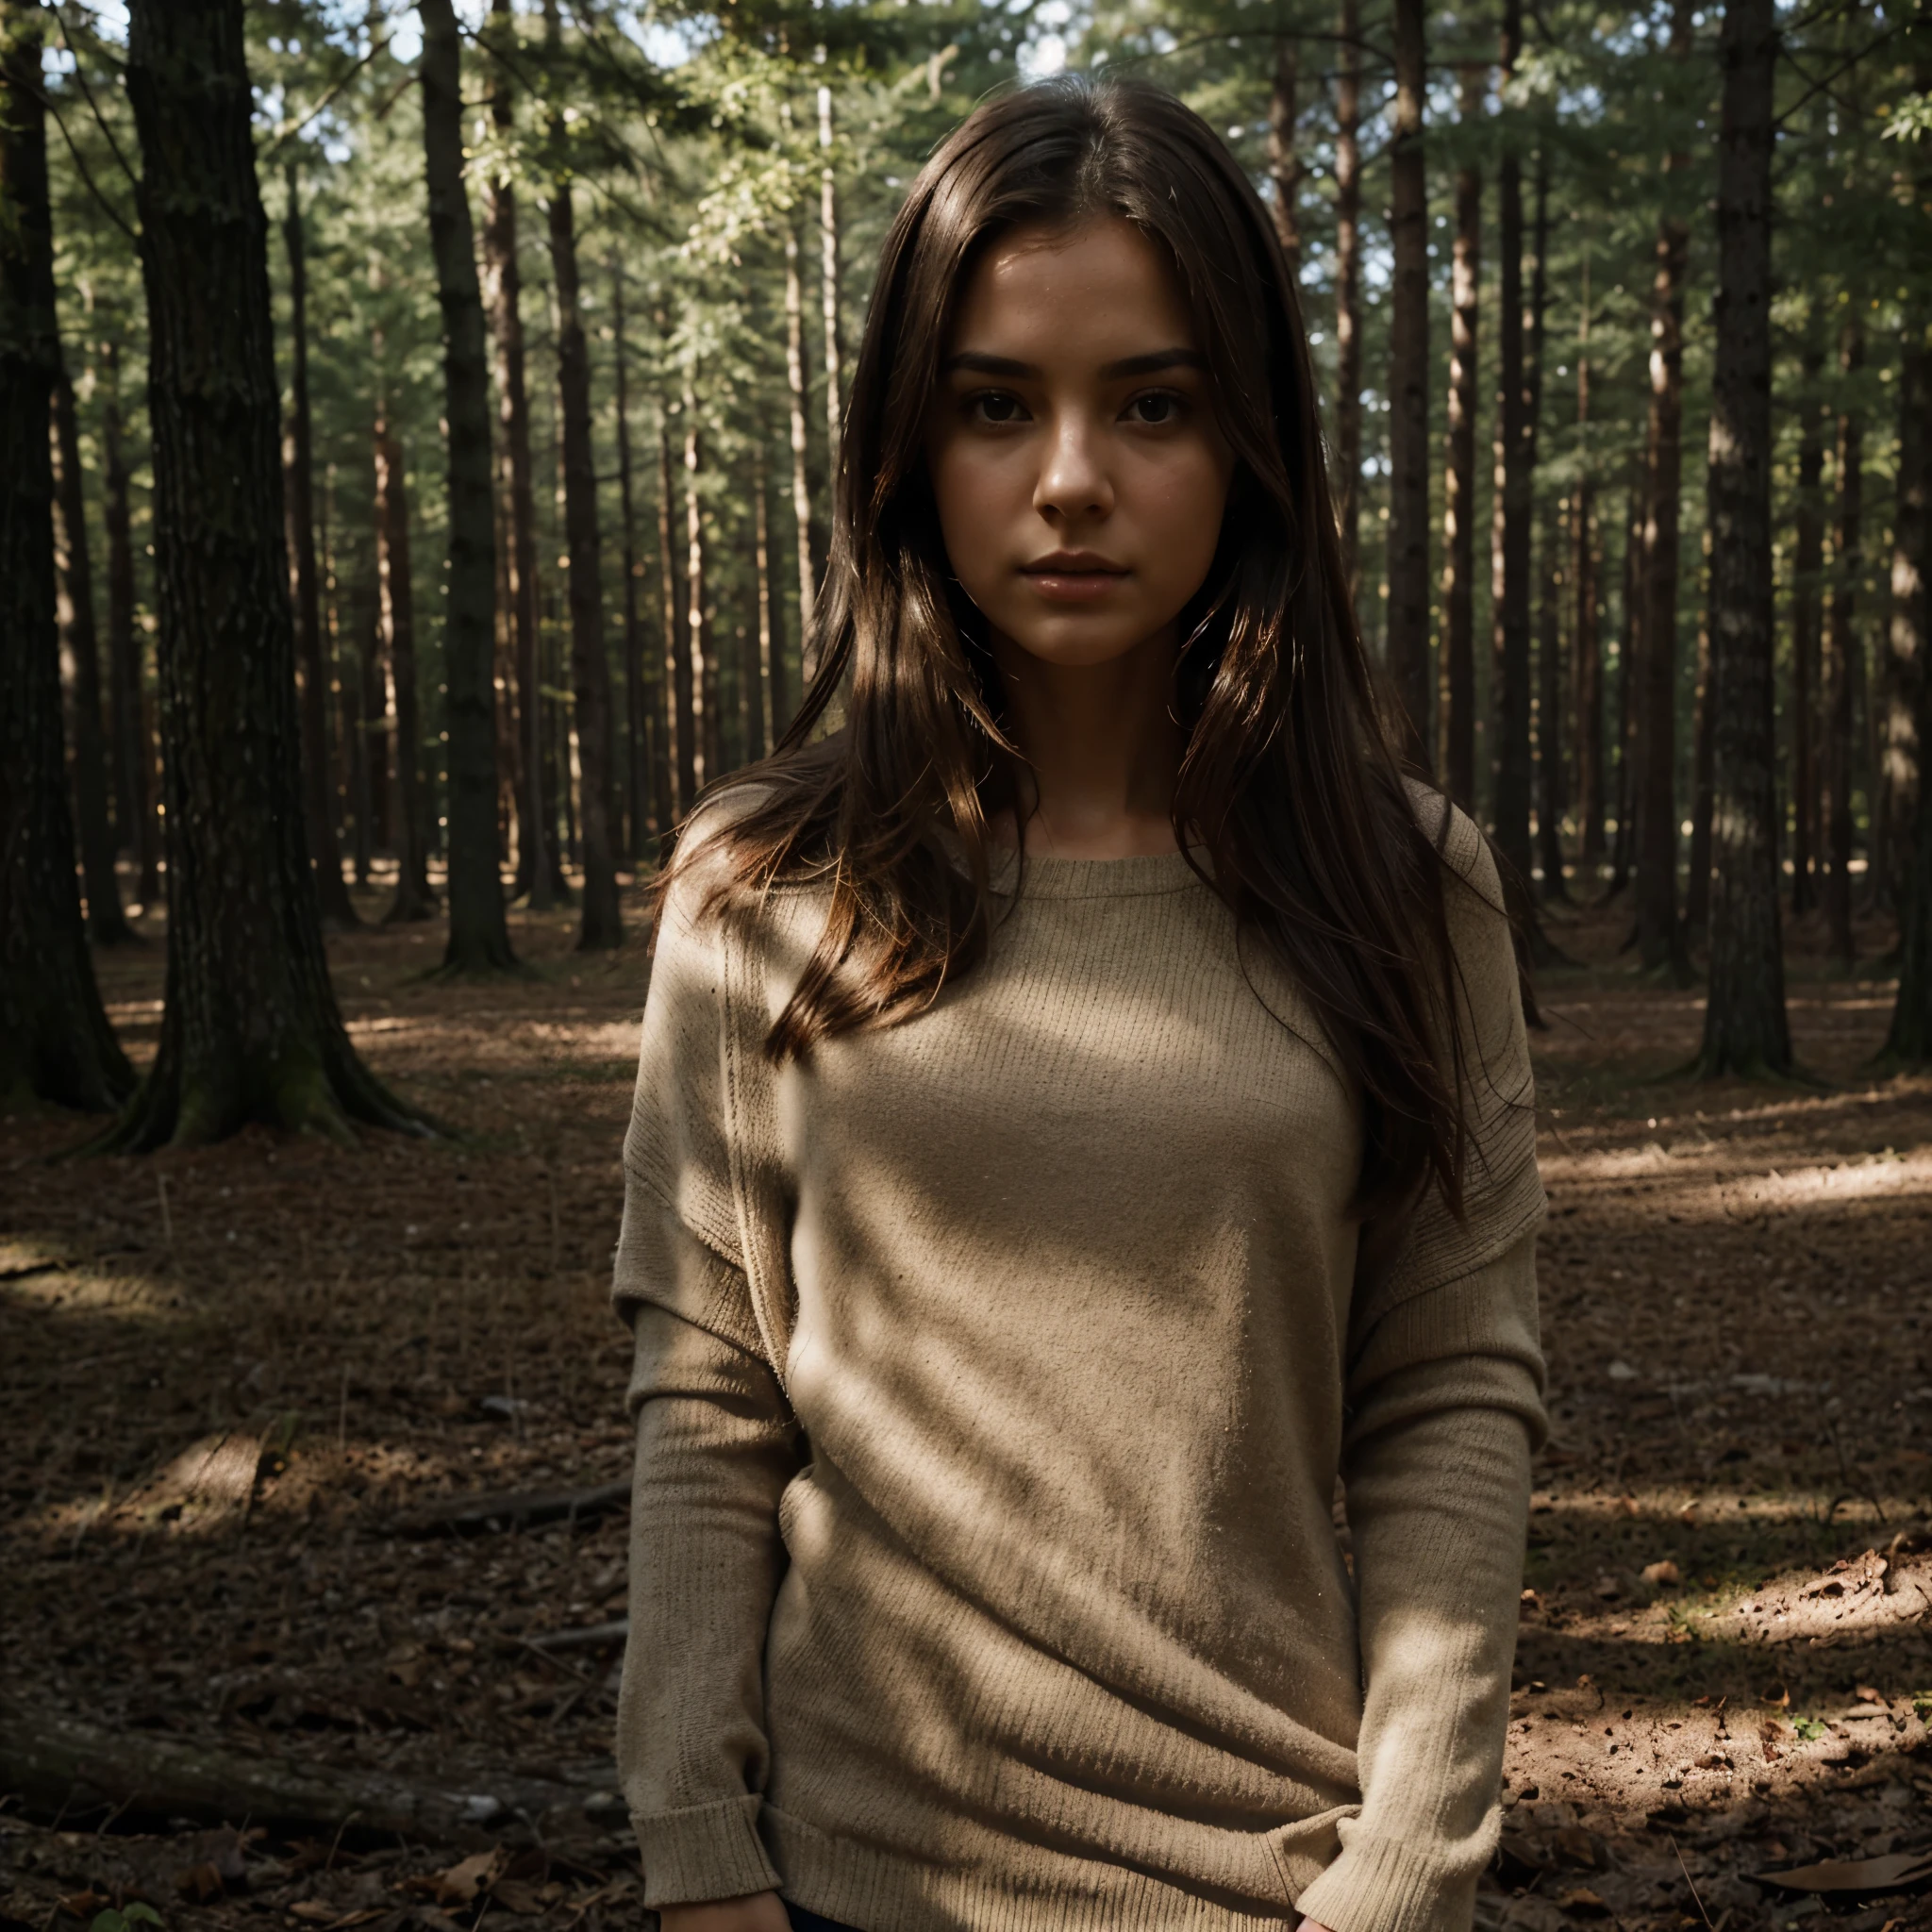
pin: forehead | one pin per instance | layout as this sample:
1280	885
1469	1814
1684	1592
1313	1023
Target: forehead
1103	289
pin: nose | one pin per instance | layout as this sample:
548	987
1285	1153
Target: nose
1074	482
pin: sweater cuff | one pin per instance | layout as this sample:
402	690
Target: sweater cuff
1383	1885
707	1852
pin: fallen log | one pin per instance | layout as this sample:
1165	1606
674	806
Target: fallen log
58	1766
513	1510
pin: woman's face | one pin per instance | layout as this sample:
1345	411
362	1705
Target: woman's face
1079	471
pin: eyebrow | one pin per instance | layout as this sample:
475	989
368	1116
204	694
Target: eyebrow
1156	359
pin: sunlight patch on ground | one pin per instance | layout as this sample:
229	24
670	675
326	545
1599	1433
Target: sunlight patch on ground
50	1287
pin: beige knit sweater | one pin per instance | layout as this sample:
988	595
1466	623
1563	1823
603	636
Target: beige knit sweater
993	1373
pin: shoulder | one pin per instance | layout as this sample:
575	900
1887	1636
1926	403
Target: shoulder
1474	886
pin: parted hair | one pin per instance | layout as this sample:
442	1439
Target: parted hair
1290	800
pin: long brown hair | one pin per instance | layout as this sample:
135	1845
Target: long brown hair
1289	802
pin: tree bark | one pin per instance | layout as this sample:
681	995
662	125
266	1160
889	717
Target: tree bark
1901	738
1627	653
1807	563
1407	650
1551	790
675	683
1284	155
249	1030
1842	641
1746	1027
600	927
133	732
1587	664
1514	505
80	652
298	470
699	726
503	283
1348	293
763	704
829	291
1458	693
1910	1040
1703	759
649	807
478	932
801	478
395	582
54	1041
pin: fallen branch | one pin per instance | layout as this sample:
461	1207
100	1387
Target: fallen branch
585	1636
514	1509
59	1767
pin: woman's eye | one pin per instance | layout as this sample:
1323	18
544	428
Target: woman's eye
995	406
1157	409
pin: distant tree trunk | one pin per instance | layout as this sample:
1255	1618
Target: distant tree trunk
1551	799
1587	663
1348	287
1901	739
801	478
1659	937
413	899
503	276
1457	694
828	290
675	684
650	814
1513	503
249	1030
1841	644
766	690
1284	157
55	1041
1703	759
1910	1040
600	925
1408	651
80	650
133	737
1807	563
699	728
478	932
1746	1029
356	725
298	470
1628	654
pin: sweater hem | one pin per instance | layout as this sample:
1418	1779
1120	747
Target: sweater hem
874	1892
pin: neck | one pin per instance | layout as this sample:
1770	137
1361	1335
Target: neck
1102	751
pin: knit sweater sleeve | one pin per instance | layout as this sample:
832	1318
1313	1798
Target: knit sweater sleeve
716	1444
1444	1388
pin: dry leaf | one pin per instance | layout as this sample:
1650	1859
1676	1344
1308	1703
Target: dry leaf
1584	1903
1889	1873
1658	1573
464	1884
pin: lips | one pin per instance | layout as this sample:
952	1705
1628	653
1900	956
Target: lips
1074	576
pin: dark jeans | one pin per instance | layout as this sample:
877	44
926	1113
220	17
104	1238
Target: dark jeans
802	1921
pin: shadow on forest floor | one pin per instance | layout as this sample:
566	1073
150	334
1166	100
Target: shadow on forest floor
229	1374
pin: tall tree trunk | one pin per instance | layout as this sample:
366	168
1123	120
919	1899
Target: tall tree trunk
298	470
600	926
1659	937
1284	155
356	725
82	657
503	277
1902	740
649	813
829	291
1703	757
54	1041
1841	644
676	678
699	728
478	932
766	690
1587	663
1512	498
1348	293
133	737
801	478
249	1030
1745	1028
1407	650
777	700
413	900
1551	799
1457	696
1628	654
1807	563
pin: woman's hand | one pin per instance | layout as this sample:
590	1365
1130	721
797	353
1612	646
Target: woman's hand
762	1912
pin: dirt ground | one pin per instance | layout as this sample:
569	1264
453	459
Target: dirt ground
232	1381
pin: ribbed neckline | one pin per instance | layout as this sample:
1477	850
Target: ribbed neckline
1094	878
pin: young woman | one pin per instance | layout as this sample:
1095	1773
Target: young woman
1083	1113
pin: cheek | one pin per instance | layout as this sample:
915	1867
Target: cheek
974	496
1179	504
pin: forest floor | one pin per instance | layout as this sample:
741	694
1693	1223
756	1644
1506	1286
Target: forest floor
228	1379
